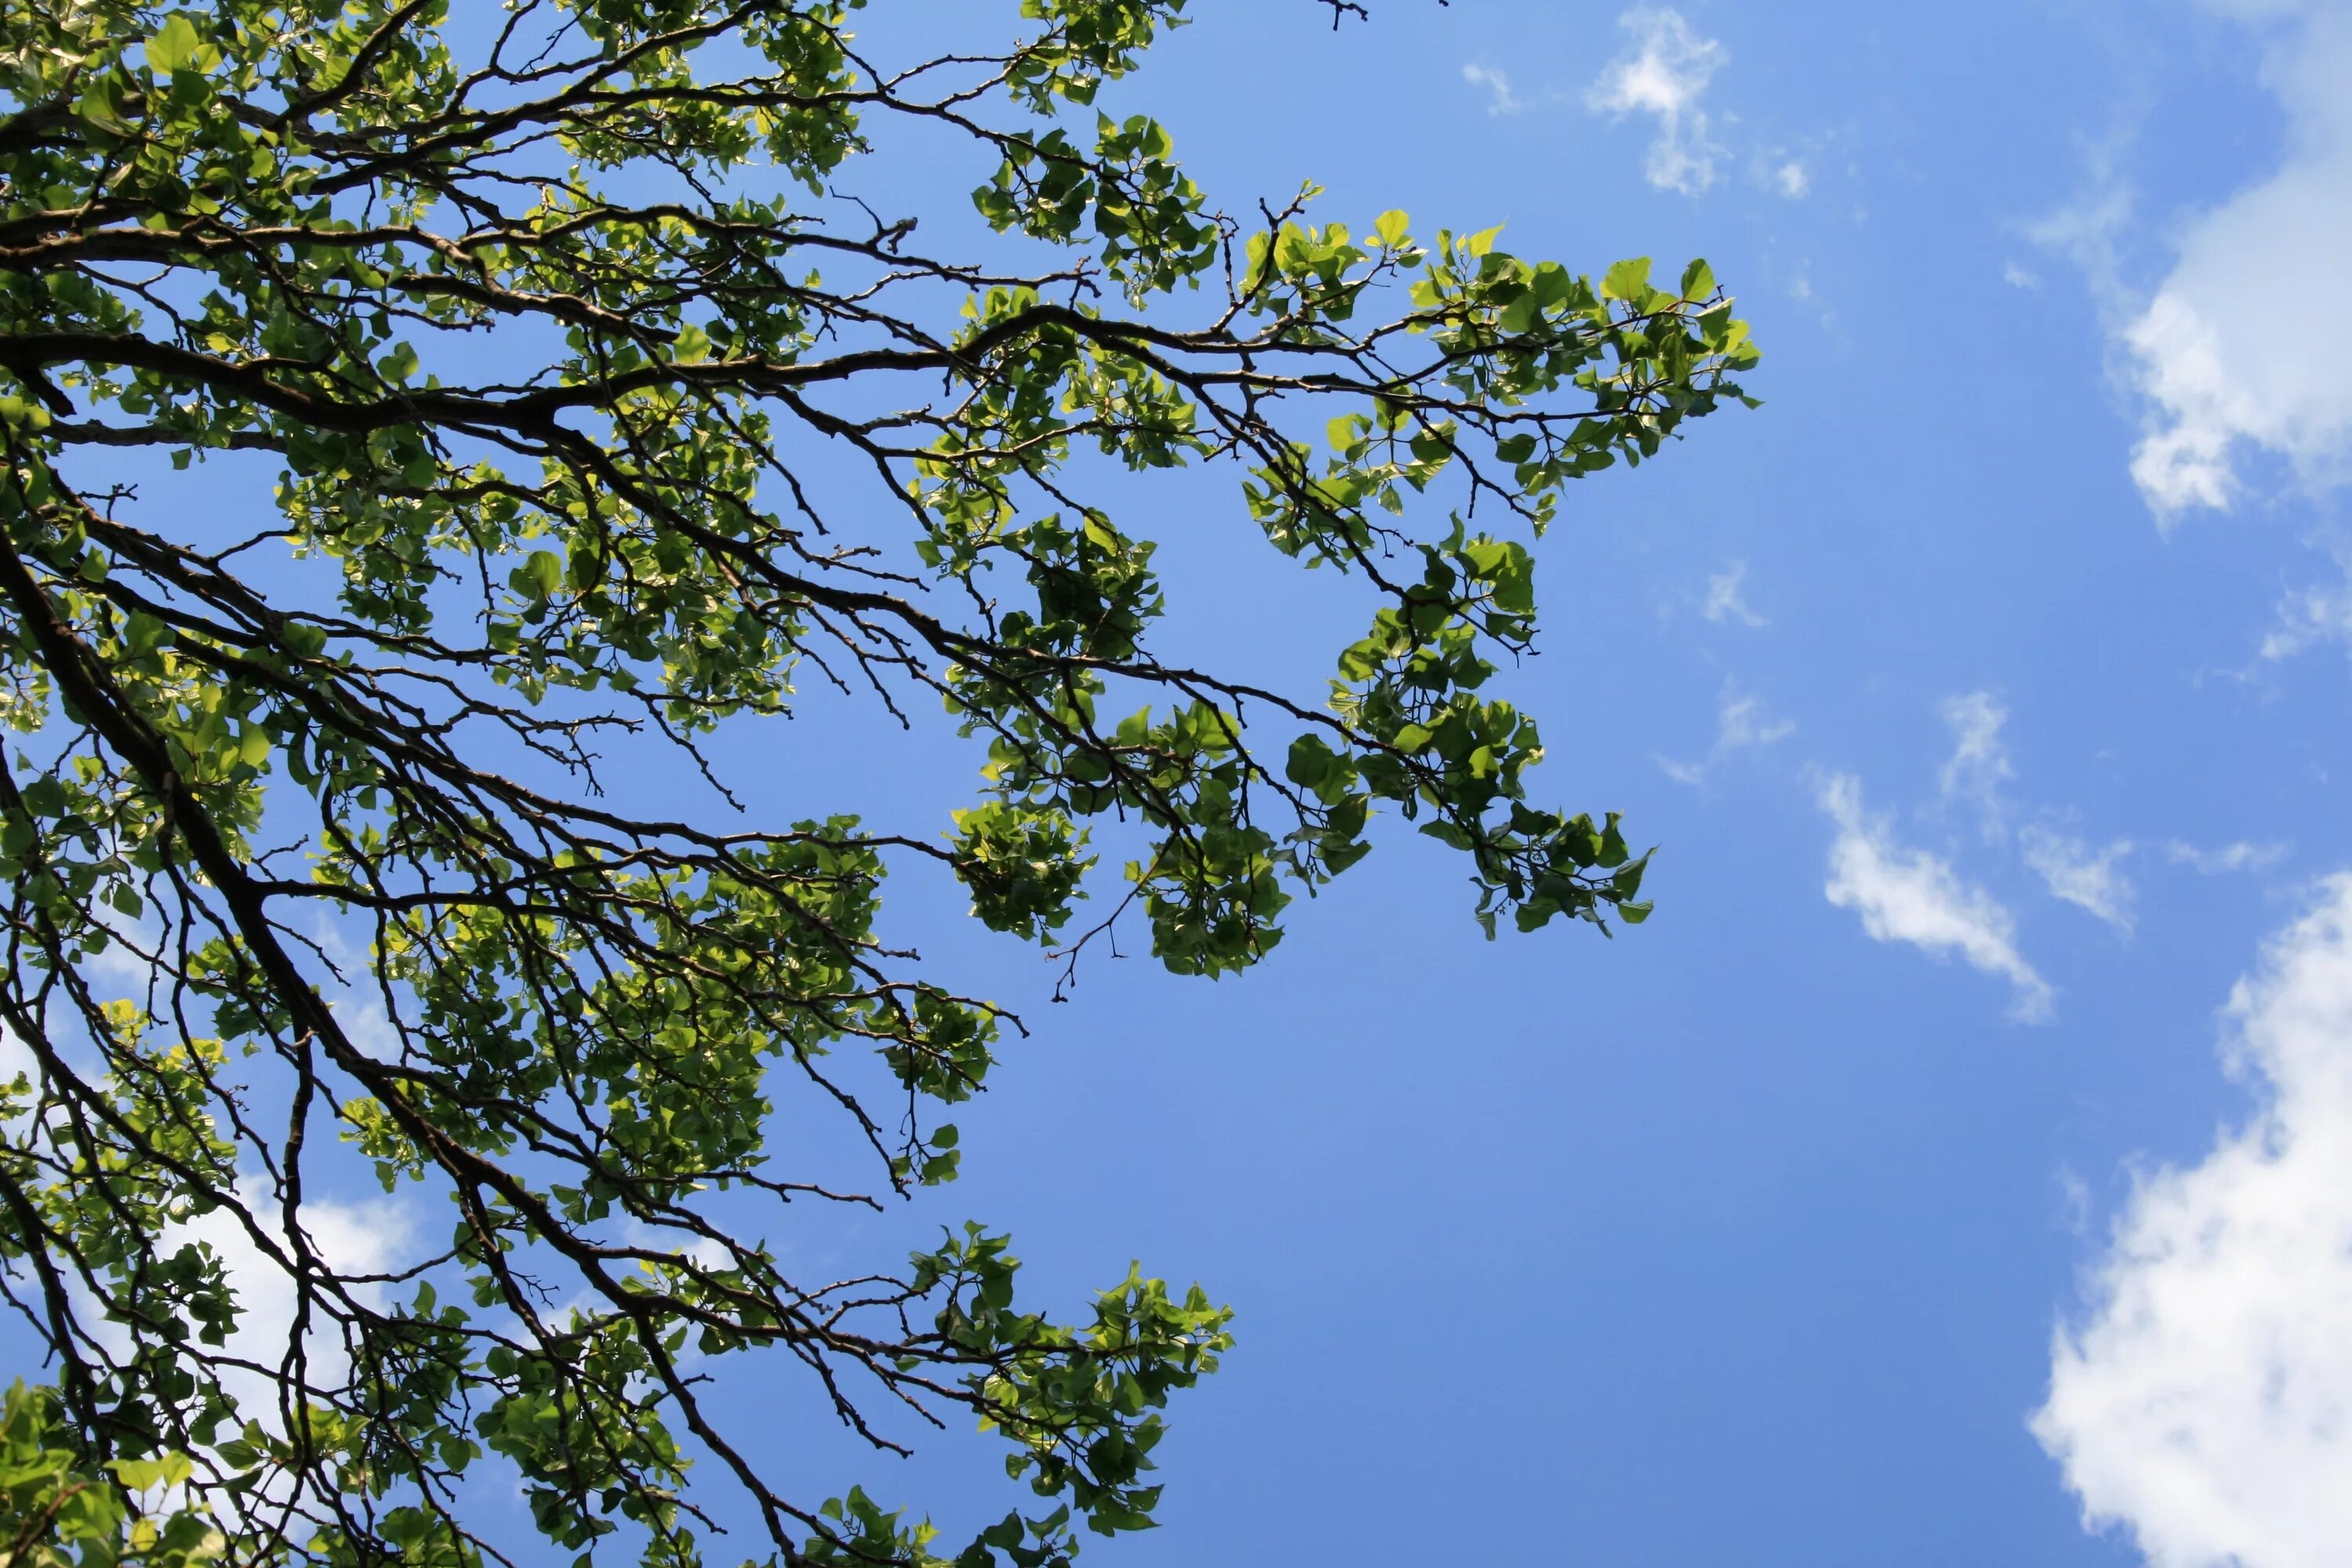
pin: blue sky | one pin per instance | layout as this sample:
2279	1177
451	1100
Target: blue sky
1907	1191
1911	1186
1957	1169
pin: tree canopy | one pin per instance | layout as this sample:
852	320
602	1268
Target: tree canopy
523	334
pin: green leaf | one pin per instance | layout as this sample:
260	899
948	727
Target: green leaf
176	45
142	632
542	574
1519	315
100	105
1628	280
139	1475
45	798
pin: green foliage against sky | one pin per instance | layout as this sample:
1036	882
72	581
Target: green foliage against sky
541	317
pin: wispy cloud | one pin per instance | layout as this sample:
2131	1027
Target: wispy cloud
1500	98
1741	724
1723	599
2241	856
2074	1201
2202	1403
2319	612
1979	761
1663	73
1793	180
1907	895
2089	231
2089	879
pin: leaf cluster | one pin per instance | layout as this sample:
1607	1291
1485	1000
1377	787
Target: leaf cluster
575	402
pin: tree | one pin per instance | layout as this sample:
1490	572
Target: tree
547	321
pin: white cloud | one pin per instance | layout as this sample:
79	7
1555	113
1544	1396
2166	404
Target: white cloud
1793	180
2090	231
2017	276
1663	73
1738	724
1723	600
2241	856
1742	723
367	1236
1500	98
2318	613
2073	1202
2074	872
1908	895
2205	1402
373	1236
2249	342
1979	761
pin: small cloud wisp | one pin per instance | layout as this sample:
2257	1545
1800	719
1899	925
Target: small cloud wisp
1907	895
1739	724
2087	879
1979	761
1500	98
1664	73
1723	601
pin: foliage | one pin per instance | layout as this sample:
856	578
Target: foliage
566	333
54	1513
